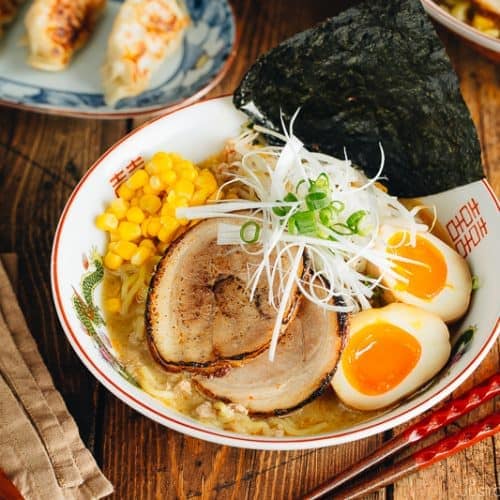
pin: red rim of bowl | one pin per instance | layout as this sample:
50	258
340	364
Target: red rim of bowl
461	28
223	437
152	111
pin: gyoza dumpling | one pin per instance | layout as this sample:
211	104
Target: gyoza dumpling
144	33
8	11
57	28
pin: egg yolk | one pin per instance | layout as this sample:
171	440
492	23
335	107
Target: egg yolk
425	280
378	357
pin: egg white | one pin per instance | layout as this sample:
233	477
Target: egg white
430	332
452	301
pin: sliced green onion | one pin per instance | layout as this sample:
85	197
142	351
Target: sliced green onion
282	211
324	177
299	184
292	227
342	229
326	215
354	219
322	182
250	232
475	282
305	222
338	206
317	200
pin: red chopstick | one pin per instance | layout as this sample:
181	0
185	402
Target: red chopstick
8	490
447	414
434	453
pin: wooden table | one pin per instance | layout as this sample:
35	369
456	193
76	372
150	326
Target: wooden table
41	160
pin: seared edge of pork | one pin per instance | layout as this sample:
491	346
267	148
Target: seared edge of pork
219	363
212	388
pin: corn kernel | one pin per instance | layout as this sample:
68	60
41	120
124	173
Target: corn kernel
180	201
162	247
168	228
168	177
461	11
162	161
147	189
125	249
118	207
114	236
199	197
176	159
167	209
189	173
151	167
113	305
184	188
482	23
181	163
140	255
106	222
148	243
144	227
154	226
125	192
164	235
112	261
206	180
150	203
129	230
171	198
135	214
169	221
155	183
138	179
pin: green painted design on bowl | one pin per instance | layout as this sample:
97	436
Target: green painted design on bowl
90	315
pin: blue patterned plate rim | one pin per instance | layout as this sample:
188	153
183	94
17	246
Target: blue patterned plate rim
216	16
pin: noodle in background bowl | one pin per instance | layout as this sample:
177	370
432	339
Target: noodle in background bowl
470	214
482	43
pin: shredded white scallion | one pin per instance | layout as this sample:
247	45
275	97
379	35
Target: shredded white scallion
314	206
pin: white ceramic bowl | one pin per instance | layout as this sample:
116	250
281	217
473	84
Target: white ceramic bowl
198	131
485	44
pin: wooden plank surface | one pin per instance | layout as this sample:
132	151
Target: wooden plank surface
41	160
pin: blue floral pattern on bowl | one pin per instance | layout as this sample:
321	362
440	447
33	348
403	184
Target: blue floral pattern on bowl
208	44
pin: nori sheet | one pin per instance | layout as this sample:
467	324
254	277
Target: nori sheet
376	73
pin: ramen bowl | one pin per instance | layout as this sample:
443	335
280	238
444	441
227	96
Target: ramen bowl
469	214
487	45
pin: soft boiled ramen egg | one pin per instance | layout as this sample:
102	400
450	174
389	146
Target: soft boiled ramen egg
438	280
390	352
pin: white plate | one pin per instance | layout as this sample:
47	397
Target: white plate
205	55
471	214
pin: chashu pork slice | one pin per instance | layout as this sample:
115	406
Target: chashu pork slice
303	366
198	313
